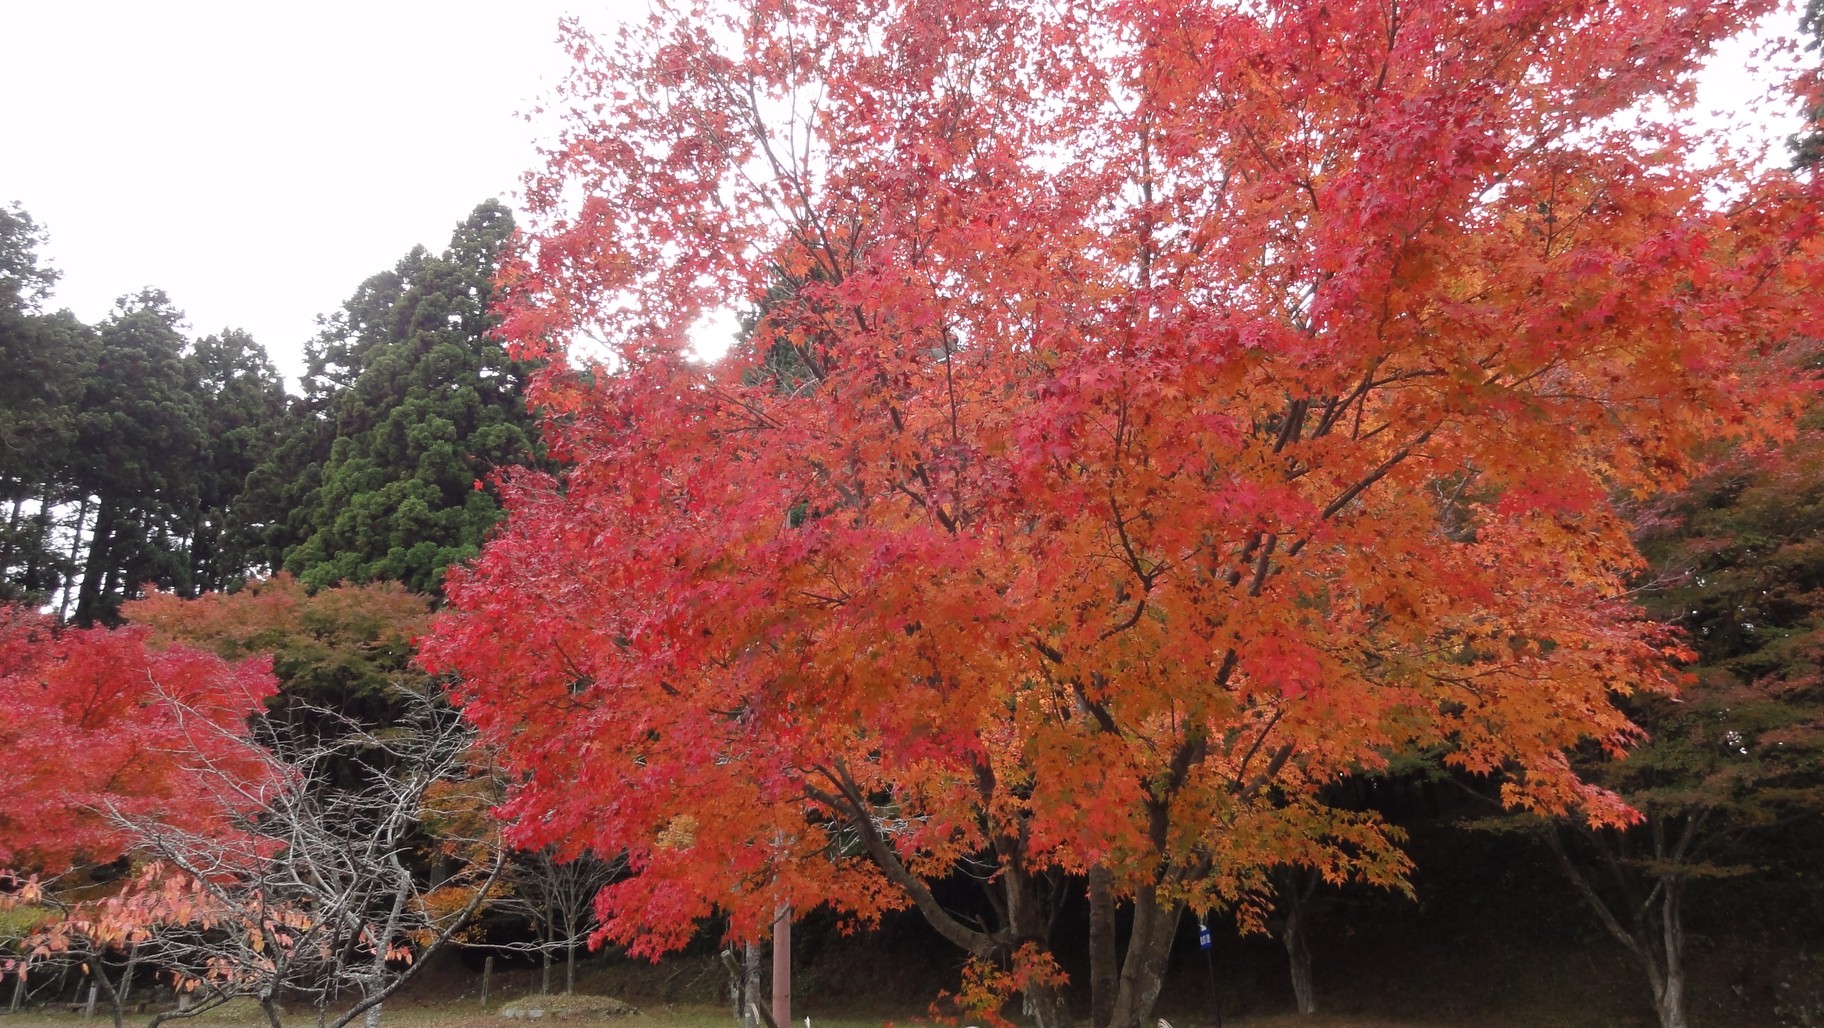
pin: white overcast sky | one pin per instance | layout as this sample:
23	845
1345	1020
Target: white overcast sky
257	160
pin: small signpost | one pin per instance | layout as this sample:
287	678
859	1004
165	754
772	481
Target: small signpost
1208	945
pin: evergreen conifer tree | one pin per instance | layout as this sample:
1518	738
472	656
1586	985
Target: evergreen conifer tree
409	402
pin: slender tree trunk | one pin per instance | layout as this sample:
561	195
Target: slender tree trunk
82	519
39	556
41	563
7	548
1298	954
126	978
199	556
750	984
1670	1001
98	980
570	966
737	986
544	952
1655	933
1295	886
95	570
1104	969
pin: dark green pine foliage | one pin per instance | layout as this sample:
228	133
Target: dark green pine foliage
243	408
1747	735
124	448
42	357
24	283
409	403
142	441
1808	144
1739	754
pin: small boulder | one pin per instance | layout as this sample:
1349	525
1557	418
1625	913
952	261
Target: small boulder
567	1008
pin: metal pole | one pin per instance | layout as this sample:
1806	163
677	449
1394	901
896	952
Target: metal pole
1205	943
487	979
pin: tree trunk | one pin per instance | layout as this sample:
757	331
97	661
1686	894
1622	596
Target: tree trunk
1028	919
1655	932
126	977
88	596
99	981
38	556
1670	1001
1295	886
750	984
1050	1008
1671	1005
82	518
1104	970
7	548
1149	949
544	952
1304	990
570	966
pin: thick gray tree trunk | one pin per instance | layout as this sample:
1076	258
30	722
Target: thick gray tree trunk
1149	949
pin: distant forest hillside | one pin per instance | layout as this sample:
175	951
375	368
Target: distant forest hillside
134	453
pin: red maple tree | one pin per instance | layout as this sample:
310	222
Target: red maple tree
98	726
1150	413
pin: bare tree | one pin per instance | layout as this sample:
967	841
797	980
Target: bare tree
556	897
305	888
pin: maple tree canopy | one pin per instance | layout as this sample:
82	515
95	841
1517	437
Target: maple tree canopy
98	726
1151	412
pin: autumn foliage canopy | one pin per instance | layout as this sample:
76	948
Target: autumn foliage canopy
1150	413
99	726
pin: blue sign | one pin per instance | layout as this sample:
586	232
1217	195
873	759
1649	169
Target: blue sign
1203	936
